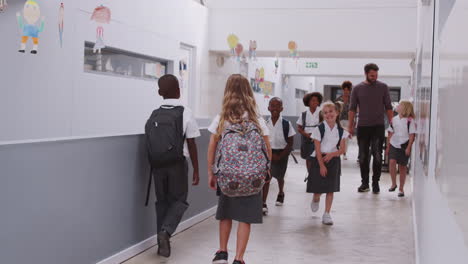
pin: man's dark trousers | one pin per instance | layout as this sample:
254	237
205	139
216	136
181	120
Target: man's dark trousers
171	183
371	137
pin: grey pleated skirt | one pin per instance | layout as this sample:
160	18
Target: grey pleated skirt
246	209
331	183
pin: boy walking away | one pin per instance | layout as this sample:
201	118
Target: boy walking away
281	141
170	132
401	135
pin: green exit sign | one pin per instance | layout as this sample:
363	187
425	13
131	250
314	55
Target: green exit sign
311	65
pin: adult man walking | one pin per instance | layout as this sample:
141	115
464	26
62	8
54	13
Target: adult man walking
373	99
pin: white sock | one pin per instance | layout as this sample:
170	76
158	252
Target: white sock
35	47
23	46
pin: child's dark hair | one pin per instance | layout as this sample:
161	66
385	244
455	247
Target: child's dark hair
168	86
347	85
309	96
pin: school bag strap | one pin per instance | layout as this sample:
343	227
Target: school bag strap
285	129
408	124
321	128
304	115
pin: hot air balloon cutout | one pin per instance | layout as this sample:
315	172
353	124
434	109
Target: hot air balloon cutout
31	24
232	40
239	49
292	46
101	15
253	50
3	5
61	23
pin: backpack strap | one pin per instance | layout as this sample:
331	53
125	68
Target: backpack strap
321	128
285	129
340	133
148	190
304	114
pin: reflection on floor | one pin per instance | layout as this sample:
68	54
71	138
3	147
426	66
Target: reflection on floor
368	228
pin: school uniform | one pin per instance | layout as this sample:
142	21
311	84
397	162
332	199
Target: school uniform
278	144
308	121
401	128
171	182
246	209
328	144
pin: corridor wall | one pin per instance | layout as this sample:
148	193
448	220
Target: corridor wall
73	166
440	162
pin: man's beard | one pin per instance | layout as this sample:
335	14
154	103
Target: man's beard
370	81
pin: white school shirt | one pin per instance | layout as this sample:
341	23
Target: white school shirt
400	131
330	138
189	124
276	133
213	128
311	120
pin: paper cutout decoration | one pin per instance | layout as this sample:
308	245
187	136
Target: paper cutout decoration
276	65
61	23
31	24
292	46
239	50
182	68
3	5
101	15
232	40
262	74
253	50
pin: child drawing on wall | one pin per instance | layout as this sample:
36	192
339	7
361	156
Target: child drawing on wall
29	25
101	15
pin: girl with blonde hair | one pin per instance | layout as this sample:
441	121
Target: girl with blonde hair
401	136
324	175
239	111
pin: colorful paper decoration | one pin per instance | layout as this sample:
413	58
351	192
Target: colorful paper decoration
239	50
3	5
262	75
31	24
61	23
101	15
253	50
232	40
292	46
276	65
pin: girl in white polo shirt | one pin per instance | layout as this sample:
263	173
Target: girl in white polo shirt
401	135
325	172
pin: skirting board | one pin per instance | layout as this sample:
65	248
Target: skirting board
152	241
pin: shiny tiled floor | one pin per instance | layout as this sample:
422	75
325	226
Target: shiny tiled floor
368	228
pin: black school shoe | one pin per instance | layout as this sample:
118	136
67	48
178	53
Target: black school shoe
280	199
221	257
238	262
363	188
164	245
375	188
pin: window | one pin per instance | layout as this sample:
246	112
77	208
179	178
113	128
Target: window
117	62
300	93
395	94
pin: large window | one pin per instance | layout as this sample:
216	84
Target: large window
118	62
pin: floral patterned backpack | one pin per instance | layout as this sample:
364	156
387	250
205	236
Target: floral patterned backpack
241	162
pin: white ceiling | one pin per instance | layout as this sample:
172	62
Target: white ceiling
310	4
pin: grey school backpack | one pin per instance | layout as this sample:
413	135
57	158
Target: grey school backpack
241	162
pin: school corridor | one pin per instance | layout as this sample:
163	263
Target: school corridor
368	228
112	111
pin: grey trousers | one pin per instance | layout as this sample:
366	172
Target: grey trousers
171	185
